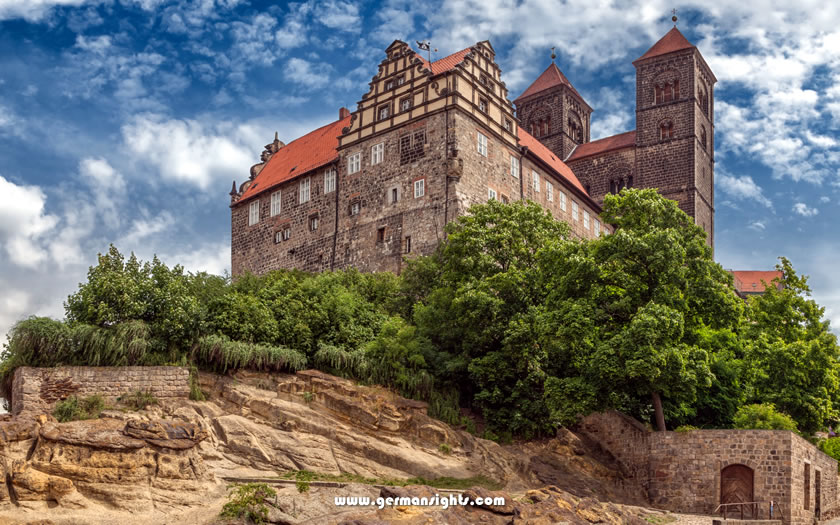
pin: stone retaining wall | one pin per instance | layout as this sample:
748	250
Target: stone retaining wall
682	470
38	389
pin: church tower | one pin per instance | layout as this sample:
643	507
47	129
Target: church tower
675	126
553	111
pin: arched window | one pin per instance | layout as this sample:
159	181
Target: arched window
703	136
666	130
703	100
630	181
575	128
666	87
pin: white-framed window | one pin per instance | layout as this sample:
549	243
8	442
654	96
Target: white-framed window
549	191
276	203
574	210
597	227
329	180
508	124
405	104
535	181
491	194
482	105
514	166
377	153
313	223
401	80
419	188
354	163
482	144
562	200
355	207
254	213
304	190
287	233
384	112
585	220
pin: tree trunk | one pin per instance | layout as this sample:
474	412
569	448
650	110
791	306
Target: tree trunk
657	409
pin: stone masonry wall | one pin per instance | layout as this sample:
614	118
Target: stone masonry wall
38	389
682	470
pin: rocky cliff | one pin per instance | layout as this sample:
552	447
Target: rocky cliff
171	462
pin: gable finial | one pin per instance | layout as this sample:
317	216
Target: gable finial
553	55
674	17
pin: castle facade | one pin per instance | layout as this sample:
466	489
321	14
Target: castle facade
428	140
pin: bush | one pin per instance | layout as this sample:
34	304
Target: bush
138	400
446	449
75	409
831	446
249	501
685	428
763	416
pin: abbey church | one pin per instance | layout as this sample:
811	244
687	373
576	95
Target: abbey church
428	140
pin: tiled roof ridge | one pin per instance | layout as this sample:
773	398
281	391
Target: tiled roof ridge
671	42
543	153
618	141
545	81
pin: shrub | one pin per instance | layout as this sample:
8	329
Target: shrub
831	446
308	397
75	409
685	428
196	394
302	486
138	400
446	449
763	416
220	354
249	501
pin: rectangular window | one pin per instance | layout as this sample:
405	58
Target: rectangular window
389	85
395	195
535	179
597	227
574	210
549	191
562	201
383	112
482	105
482	144
275	203
807	486
304	190
355	207
405	104
313	223
514	166
419	188
491	194
508	124
283	235
377	153
329	181
254	213
401	80
380	234
585	220
354	163
407	244
278	236
412	146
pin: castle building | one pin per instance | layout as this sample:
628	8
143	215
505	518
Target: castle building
428	140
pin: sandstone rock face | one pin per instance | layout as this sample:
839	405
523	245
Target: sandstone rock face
169	463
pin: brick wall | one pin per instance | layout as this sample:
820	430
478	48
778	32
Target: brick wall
682	470
38	389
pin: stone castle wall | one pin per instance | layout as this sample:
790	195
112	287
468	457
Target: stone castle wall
38	389
682	470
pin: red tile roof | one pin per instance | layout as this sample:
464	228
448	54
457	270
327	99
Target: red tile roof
313	150
672	41
446	63
620	141
544	154
549	78
750	281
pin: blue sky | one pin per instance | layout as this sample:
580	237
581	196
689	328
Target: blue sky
125	121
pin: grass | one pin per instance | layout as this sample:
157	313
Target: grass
220	354
138	400
658	519
75	409
440	483
249	501
446	449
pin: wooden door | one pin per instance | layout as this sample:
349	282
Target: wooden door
736	486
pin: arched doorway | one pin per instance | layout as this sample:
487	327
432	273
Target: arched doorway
736	486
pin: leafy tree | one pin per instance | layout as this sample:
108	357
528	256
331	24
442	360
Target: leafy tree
792	356
626	311
398	357
763	416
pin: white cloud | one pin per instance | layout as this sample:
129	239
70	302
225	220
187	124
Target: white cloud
741	188
143	228
825	200
107	187
34	10
757	226
188	151
23	222
802	209
306	73
340	15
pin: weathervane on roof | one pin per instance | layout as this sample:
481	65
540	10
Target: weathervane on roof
553	55
426	46
674	18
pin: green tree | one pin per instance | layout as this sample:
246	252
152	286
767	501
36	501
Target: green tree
792	355
763	417
626	311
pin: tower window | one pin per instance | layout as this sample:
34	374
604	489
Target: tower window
703	136
408	244
666	91
666	130
380	234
